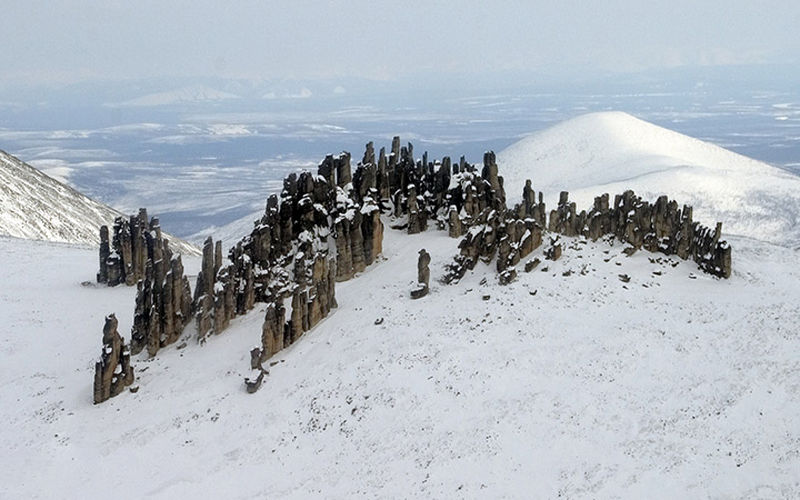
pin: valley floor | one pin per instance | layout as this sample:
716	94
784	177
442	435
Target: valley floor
568	382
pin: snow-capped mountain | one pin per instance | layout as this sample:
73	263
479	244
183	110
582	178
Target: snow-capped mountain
184	95
36	206
613	151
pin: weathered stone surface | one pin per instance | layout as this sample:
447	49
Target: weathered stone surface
455	228
114	371
105	253
554	251
123	255
163	303
372	229
532	264
423	275
272	331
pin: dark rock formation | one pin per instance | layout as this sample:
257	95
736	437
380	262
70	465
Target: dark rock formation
163	299
423	275
511	235
553	252
660	227
253	384
113	373
123	257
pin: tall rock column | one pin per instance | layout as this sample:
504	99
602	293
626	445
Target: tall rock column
113	373
423	275
105	252
204	291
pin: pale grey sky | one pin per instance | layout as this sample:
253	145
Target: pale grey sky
63	40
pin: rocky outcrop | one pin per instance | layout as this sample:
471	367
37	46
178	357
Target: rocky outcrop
123	255
511	235
659	227
163	297
327	227
113	373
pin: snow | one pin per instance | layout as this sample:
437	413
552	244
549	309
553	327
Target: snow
614	151
35	206
189	94
669	394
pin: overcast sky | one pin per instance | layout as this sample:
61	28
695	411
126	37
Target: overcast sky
62	40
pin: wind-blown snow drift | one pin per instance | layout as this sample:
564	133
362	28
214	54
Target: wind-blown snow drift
37	207
614	151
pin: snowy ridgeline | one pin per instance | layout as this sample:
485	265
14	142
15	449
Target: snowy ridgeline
36	206
325	227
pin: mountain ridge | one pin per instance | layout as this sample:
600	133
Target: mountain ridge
36	206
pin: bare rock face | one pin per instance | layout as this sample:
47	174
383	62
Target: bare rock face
423	275
272	331
372	229
343	173
163	305
417	216
113	373
490	175
162	299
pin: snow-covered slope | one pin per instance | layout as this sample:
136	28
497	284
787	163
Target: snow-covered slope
475	391
614	151
35	206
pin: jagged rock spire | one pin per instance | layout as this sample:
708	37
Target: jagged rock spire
113	372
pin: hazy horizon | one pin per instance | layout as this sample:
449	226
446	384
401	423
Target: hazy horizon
79	41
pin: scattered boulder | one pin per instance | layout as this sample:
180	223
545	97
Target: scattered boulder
252	384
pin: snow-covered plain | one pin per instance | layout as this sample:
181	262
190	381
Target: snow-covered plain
567	382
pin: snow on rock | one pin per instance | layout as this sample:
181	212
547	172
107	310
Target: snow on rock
614	151
35	206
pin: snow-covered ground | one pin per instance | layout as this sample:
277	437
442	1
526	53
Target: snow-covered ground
672	385
613	151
